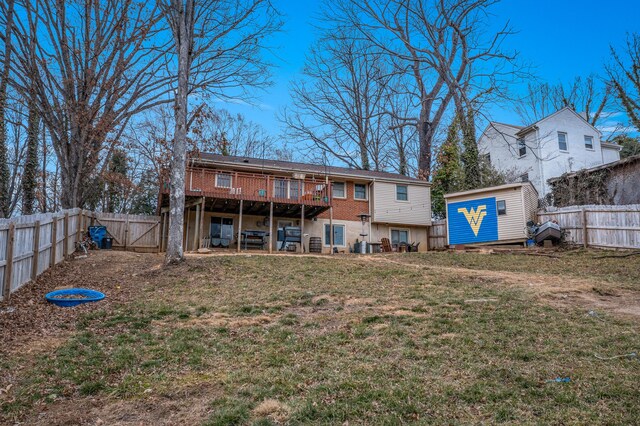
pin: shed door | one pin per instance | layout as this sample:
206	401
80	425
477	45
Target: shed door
472	221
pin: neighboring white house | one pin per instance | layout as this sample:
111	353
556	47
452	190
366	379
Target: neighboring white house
561	142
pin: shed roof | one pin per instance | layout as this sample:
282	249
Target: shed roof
489	189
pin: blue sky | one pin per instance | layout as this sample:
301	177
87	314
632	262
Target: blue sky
561	38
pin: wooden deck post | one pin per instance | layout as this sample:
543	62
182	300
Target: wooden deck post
240	227
330	230
36	250
196	229
271	240
8	268
54	241
302	230
201	230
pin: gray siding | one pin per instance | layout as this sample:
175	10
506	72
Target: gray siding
415	211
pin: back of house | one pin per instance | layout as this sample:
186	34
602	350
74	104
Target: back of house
228	198
559	143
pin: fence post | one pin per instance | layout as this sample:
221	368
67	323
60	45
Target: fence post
8	269
36	251
585	235
65	248
79	226
126	233
54	241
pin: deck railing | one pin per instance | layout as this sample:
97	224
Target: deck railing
256	187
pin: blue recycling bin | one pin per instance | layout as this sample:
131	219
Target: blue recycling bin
97	234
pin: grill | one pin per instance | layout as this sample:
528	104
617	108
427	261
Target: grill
289	234
255	239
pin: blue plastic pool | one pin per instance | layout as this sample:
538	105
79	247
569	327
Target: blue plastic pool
87	296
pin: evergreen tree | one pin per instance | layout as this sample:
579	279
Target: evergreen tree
116	181
449	174
472	177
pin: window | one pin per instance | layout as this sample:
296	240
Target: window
294	189
522	147
502	207
222	227
337	188
360	191
562	141
280	188
338	235
402	193
588	142
399	236
223	180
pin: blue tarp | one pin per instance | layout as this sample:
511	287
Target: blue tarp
97	233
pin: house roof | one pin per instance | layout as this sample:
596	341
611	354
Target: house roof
534	126
612	165
257	164
489	189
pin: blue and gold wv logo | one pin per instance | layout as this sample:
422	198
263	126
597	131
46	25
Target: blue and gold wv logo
474	217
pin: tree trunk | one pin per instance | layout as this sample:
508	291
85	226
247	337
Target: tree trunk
425	141
5	176
175	250
30	176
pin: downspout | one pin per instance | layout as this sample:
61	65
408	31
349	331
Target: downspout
370	199
543	183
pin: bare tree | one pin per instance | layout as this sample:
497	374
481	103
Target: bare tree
442	44
587	96
624	74
6	20
91	66
338	105
217	45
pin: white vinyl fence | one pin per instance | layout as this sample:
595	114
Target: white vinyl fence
29	245
599	226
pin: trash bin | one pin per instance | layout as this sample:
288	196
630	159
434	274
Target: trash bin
97	233
107	243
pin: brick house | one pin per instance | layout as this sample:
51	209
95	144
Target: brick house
228	198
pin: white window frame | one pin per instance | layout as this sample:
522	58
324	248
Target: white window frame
566	142
402	201
344	186
366	197
344	235
585	143
522	144
407	230
224	186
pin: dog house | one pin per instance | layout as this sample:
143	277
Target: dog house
495	215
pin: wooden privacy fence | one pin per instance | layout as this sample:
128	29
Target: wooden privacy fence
599	226
29	245
438	234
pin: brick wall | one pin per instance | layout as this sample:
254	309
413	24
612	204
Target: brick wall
349	208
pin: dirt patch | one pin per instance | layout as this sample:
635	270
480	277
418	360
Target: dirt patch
28	318
187	406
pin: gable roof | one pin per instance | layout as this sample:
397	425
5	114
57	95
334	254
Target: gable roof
523	130
258	164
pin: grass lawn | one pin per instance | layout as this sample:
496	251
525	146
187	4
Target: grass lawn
436	338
